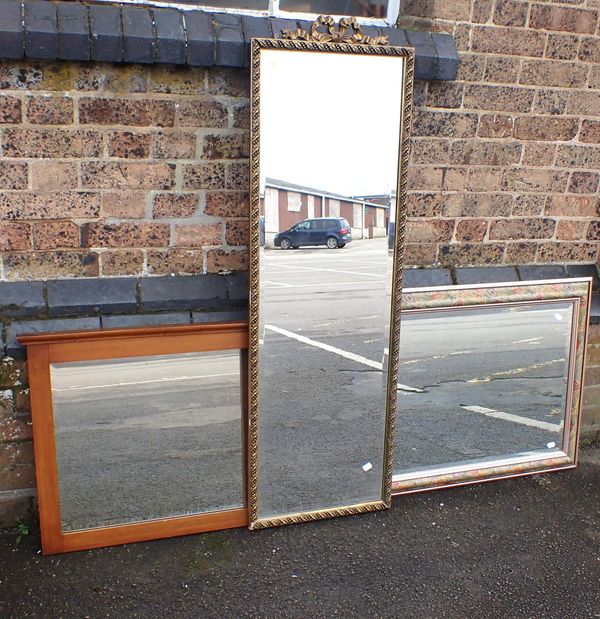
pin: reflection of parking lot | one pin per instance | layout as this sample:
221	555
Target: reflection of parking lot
473	385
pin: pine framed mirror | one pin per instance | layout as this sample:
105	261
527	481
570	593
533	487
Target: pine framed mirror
330	118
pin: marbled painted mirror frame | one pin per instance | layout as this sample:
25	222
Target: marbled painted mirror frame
576	291
333	45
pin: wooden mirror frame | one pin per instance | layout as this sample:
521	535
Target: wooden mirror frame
335	40
578	292
47	348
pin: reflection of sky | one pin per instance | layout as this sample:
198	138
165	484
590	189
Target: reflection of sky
330	121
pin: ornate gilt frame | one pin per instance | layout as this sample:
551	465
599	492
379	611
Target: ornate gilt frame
576	291
337	41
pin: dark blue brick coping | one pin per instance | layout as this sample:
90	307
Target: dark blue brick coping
40	29
74	304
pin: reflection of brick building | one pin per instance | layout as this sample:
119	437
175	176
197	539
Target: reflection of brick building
283	204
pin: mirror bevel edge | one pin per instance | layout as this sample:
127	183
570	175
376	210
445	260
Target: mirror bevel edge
579	293
254	276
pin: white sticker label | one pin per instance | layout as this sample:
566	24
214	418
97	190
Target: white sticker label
551	445
367	467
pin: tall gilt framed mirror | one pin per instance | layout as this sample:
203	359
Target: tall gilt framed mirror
330	118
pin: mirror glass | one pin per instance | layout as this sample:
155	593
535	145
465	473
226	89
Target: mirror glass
143	438
481	385
329	148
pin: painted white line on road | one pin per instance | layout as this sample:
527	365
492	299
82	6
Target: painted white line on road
532	339
144	382
525	421
331	270
346	284
279	284
338	351
515	371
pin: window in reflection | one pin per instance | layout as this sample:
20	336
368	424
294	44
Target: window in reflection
480	384
147	437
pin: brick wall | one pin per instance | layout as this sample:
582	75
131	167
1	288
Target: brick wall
505	159
110	171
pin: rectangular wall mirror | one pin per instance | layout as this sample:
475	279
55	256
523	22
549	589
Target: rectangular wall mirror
139	434
329	144
491	382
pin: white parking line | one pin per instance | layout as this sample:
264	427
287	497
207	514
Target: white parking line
332	270
338	351
143	382
525	421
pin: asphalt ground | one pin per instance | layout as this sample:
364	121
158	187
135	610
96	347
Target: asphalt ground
525	548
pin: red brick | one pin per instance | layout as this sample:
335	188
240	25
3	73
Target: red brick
578	157
169	205
520	253
501	69
545	128
236	233
565	19
484	179
128	262
13	175
176	261
227	203
219	261
521	229
104	77
471	68
131	112
229	82
425	151
51	143
113	175
471	254
55	205
420	254
549	101
590	131
501	98
528	205
237	176
181	80
593	232
562	46
445	94
204	176
50	265
128	145
584	182
534	180
495	126
123	204
583	102
568	252
14	236
55	234
173	145
571	229
424	204
234	146
589	49
444	124
470	230
125	235
53	175
458	10
482	11
573	206
478	152
539	154
48	110
10	110
431	231
477	205
553	73
455	179
511	41
198	235
200	114
241	116
510	13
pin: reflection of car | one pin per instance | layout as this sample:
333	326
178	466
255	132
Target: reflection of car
331	231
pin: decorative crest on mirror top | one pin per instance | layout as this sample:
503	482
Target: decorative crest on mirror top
334	33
